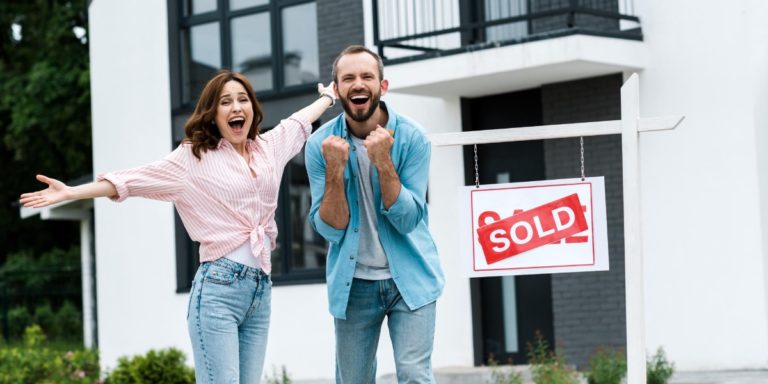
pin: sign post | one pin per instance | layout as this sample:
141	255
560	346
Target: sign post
629	127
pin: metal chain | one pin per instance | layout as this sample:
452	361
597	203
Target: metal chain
477	173
581	143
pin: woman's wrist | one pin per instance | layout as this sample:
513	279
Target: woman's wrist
331	98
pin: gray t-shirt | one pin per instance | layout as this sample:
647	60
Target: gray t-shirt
372	263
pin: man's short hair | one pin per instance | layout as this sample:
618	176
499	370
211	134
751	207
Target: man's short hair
357	49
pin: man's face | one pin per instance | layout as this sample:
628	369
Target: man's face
358	86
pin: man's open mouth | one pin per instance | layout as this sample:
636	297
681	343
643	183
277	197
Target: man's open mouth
359	99
237	122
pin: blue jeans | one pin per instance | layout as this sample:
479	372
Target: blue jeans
228	320
357	337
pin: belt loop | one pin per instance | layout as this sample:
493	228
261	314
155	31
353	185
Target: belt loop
238	269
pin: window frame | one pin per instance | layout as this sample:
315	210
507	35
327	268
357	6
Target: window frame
187	255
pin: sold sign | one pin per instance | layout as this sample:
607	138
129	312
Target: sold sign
530	229
546	226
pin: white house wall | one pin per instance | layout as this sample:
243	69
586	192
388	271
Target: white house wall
138	308
705	279
759	62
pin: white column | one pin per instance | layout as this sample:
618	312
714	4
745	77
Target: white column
86	263
633	255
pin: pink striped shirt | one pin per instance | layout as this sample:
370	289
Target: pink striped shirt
220	202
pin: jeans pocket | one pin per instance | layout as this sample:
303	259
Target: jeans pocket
191	297
220	274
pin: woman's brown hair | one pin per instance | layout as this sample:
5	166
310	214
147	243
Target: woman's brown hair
200	129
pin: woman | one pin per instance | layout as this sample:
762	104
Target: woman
224	179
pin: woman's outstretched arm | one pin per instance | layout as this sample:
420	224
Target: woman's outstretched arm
58	192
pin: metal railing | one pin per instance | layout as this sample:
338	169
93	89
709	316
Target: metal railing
407	30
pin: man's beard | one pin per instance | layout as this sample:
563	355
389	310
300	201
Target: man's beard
358	115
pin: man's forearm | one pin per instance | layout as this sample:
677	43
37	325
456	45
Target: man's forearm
334	209
389	182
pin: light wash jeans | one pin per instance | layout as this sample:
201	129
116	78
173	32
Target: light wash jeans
357	337
228	320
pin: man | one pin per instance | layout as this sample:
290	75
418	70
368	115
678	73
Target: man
368	171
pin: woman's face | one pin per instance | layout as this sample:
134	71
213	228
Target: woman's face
234	114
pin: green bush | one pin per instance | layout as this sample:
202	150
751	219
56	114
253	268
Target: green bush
658	368
500	375
66	324
36	362
41	290
279	378
23	272
69	322
46	319
606	367
548	367
156	367
18	320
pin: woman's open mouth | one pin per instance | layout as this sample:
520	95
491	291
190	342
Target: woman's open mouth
236	123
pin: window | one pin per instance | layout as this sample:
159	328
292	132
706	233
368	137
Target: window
274	43
300	253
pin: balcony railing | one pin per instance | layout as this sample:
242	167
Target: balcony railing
406	30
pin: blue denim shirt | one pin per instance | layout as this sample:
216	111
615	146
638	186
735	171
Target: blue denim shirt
403	230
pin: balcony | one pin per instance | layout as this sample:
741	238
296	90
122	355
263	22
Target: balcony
481	47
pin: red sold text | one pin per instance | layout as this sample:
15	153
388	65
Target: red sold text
521	232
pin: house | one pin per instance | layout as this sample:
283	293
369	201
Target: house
460	65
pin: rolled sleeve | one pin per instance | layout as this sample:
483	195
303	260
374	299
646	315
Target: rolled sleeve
328	232
404	213
402	206
163	180
120	185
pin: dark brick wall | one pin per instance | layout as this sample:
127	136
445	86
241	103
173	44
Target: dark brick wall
551	23
559	22
596	22
588	307
339	24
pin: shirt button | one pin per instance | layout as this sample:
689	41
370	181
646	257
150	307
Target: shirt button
347	284
355	229
351	257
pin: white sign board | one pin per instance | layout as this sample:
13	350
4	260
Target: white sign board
548	226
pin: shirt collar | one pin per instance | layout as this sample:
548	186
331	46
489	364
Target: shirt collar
249	144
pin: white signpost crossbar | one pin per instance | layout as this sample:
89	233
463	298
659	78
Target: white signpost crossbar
629	126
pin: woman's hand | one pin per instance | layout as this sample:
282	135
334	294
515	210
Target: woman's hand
327	90
313	111
55	193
